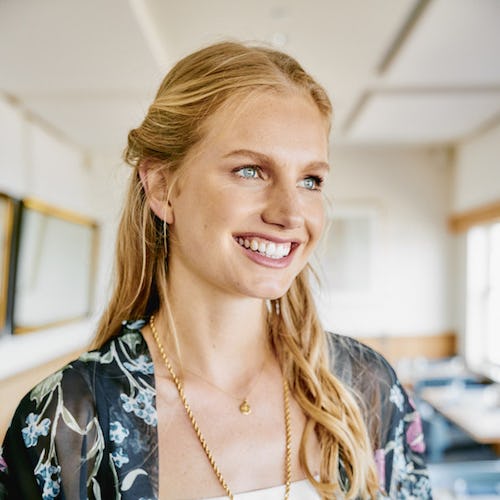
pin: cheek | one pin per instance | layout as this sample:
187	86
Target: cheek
316	221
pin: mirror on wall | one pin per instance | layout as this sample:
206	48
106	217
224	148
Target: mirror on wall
6	227
55	269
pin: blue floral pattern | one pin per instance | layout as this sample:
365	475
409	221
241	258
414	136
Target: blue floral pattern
142	364
34	429
103	406
117	433
120	457
48	476
141	405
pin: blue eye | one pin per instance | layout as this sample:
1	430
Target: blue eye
248	172
312	183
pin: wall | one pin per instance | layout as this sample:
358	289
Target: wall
37	162
477	171
34	162
409	192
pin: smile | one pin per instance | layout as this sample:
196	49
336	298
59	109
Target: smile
269	249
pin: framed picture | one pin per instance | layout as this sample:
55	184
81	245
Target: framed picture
346	258
7	216
347	264
55	267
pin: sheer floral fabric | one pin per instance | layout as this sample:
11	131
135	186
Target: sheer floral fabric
89	430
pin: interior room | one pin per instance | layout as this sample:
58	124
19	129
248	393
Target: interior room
410	261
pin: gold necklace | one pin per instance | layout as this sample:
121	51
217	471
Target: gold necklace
199	435
244	405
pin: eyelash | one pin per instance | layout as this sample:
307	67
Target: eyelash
258	174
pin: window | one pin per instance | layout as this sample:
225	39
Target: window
483	299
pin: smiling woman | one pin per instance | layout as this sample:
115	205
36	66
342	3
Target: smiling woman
211	373
258	193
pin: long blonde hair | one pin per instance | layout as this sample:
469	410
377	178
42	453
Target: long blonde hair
194	89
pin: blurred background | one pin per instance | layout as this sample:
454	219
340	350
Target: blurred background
411	261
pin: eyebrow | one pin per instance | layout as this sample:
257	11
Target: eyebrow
262	158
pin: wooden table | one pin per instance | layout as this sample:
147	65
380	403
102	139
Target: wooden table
473	409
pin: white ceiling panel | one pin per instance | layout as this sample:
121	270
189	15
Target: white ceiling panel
82	67
340	42
55	46
97	122
89	69
457	42
423	118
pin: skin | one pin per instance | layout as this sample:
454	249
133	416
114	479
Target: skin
254	175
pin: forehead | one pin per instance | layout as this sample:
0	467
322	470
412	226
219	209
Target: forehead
261	119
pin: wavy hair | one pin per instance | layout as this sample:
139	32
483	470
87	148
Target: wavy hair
195	88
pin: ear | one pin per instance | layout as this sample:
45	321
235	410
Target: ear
154	182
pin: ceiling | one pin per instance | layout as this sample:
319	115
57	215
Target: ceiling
409	72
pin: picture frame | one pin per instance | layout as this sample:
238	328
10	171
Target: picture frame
7	237
55	267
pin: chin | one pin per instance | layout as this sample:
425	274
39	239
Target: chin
272	296
271	292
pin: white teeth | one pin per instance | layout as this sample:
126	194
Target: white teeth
270	250
282	250
267	248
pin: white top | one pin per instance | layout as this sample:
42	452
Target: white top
299	490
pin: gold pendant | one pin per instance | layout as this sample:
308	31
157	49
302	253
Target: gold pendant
245	408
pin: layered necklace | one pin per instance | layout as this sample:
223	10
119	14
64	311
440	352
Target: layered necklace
199	435
244	405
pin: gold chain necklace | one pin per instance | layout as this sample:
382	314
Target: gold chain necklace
199	435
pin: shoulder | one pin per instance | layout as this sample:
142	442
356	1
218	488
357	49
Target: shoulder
372	381
80	382
126	352
80	413
391	419
355	362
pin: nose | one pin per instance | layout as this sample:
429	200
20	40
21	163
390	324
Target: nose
283	207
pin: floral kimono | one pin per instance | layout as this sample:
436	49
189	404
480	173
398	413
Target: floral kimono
89	430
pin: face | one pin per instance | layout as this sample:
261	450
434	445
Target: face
248	209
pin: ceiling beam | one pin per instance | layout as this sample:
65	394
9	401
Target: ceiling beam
402	35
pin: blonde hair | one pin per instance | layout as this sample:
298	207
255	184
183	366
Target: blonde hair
193	90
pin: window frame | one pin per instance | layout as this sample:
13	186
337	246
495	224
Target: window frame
474	350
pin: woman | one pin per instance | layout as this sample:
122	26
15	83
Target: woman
212	375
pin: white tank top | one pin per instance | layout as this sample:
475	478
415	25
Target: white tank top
299	490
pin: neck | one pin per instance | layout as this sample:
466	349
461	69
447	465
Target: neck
217	336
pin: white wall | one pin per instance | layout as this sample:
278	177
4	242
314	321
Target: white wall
477	171
409	190
110	177
35	162
12	162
